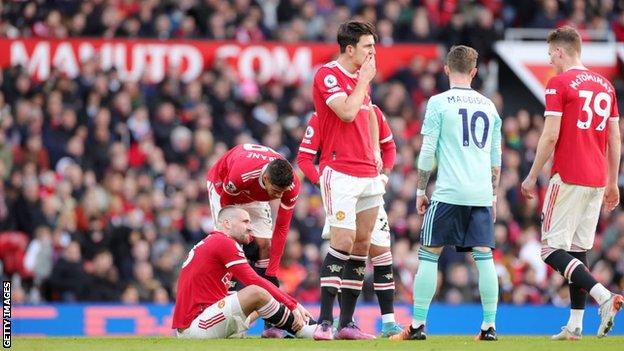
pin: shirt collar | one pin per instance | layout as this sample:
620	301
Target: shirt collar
581	68
261	176
344	70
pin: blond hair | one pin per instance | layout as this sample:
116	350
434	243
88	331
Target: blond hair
568	38
462	59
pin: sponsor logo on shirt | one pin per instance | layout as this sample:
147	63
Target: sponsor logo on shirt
551	92
330	81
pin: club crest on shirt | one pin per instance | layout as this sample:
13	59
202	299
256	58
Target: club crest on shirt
309	132
221	304
340	215
330	81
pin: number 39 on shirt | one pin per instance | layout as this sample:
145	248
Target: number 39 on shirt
599	104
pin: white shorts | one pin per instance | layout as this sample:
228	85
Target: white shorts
259	213
381	232
570	215
223	319
344	196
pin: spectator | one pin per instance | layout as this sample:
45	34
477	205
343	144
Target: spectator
69	282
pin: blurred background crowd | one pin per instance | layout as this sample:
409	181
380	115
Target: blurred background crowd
103	189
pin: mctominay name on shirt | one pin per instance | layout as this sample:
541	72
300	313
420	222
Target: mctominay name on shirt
587	76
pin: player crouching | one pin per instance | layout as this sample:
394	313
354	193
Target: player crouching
203	308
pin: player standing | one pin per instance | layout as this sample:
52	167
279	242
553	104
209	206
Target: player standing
582	127
203	308
462	130
379	250
351	188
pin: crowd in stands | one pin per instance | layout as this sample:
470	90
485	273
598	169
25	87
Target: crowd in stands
103	189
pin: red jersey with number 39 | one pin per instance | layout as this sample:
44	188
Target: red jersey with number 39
586	102
347	144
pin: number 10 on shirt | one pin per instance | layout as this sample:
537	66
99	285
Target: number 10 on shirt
473	125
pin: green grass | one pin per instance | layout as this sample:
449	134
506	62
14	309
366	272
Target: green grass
434	343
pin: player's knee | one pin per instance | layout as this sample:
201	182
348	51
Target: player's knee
546	251
434	250
375	251
482	249
341	240
360	248
260	293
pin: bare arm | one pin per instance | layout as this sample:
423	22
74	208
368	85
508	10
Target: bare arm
347	107
423	180
614	152
495	180
545	148
546	144
611	197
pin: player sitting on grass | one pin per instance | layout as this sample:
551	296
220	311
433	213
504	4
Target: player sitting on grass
203	308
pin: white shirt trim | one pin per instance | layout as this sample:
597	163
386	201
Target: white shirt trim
614	118
287	207
582	68
333	96
305	149
553	113
233	263
344	70
385	140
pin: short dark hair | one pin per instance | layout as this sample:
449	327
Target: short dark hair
566	36
280	173
462	59
350	32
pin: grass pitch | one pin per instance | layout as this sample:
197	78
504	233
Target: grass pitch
433	343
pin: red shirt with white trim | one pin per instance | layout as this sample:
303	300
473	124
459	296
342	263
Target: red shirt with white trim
311	145
347	144
586	102
206	274
237	178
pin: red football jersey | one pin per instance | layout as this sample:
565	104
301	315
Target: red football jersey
236	176
347	144
586	102
206	274
311	144
237	179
